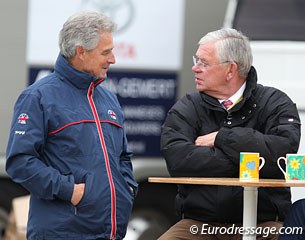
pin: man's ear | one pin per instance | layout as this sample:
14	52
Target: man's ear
80	52
233	70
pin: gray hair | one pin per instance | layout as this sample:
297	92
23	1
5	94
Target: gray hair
231	45
83	29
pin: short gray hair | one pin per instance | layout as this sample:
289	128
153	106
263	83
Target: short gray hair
231	45
83	29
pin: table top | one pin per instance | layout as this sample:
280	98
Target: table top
228	181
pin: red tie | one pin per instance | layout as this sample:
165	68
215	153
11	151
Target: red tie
227	103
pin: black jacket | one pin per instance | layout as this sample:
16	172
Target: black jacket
265	121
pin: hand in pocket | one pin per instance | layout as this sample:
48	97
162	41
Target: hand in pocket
78	193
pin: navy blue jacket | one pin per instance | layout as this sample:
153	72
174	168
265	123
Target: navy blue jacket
68	129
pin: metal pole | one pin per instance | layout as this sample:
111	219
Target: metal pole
250	213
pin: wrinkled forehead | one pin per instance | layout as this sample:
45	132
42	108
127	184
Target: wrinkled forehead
206	51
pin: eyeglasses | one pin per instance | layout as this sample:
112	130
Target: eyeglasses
197	61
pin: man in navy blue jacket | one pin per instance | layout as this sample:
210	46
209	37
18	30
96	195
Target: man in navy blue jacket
67	142
294	223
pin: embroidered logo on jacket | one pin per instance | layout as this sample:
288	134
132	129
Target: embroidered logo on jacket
23	117
112	114
19	132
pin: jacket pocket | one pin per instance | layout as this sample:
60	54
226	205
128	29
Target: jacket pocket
86	196
94	205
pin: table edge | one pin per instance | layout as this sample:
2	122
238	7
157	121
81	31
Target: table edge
228	181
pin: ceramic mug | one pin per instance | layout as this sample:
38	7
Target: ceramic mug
295	166
249	165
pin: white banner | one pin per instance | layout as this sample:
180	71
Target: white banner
149	36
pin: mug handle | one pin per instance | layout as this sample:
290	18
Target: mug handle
262	163
278	163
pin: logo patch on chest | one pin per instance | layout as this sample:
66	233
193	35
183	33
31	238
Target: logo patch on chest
112	114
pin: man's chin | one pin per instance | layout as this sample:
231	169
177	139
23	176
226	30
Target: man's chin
199	88
102	76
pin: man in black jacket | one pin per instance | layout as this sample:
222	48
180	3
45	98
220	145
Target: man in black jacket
203	137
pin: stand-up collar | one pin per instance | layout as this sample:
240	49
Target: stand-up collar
251	83
68	73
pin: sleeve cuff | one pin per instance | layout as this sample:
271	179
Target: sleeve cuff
66	188
219	140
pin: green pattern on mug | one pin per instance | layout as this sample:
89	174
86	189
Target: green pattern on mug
295	166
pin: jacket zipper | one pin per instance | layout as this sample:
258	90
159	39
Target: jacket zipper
106	157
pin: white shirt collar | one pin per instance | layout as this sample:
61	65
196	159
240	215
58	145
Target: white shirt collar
236	96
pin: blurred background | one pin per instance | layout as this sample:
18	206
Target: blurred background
154	46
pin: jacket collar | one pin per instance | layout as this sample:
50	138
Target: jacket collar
251	83
70	74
